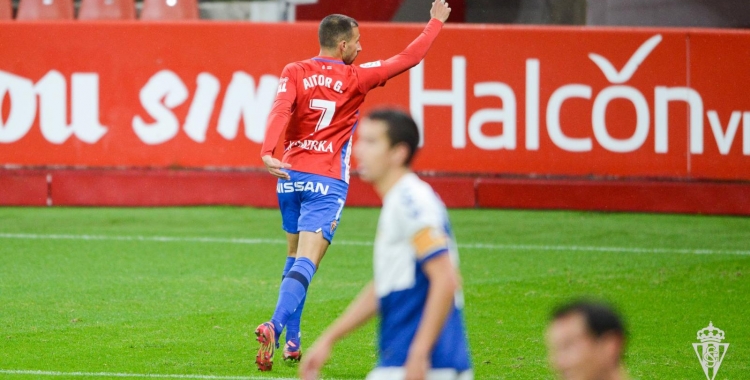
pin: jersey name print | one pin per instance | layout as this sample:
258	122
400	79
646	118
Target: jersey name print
321	80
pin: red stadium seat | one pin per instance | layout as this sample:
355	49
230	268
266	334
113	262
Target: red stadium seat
6	10
45	10
169	10
107	10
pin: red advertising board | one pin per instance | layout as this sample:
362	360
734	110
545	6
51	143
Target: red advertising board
581	102
719	65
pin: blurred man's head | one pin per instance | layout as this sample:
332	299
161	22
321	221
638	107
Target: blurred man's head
339	36
586	341
386	140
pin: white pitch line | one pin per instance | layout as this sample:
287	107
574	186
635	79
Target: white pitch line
166	239
516	247
573	248
135	375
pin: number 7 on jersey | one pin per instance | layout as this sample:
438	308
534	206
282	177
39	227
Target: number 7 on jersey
327	107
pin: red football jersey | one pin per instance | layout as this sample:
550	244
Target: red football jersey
326	95
319	99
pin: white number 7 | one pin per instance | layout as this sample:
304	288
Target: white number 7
328	107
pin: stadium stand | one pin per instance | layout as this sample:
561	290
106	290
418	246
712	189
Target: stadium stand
6	10
169	10
107	10
45	10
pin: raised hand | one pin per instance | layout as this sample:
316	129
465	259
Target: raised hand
440	10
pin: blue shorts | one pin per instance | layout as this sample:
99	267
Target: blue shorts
311	202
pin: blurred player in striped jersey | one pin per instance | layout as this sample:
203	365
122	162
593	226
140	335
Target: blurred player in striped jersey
318	103
416	288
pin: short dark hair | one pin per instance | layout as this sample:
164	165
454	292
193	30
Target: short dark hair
334	28
600	317
402	129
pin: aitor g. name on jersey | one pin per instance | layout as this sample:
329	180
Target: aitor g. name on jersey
322	80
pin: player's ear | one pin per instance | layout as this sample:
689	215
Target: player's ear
611	346
399	154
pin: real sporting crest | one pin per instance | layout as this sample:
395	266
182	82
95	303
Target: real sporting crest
710	351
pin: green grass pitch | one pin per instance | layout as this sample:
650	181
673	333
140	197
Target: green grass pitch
91	290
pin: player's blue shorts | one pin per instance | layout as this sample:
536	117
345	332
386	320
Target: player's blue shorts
311	202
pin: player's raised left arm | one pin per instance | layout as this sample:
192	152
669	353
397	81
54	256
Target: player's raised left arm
444	282
417	50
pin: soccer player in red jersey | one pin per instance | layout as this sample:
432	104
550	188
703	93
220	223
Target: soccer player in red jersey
318	102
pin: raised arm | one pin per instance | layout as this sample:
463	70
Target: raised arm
417	50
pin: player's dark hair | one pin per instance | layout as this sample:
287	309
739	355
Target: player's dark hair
334	28
401	129
600	318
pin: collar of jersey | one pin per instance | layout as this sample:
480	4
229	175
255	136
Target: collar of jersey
328	60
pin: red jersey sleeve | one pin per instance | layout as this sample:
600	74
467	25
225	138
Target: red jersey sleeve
373	74
415	52
281	112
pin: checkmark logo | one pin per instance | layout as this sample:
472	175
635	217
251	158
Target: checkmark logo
631	66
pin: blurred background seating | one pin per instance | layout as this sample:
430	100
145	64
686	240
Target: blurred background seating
106	10
169	10
45	10
677	13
